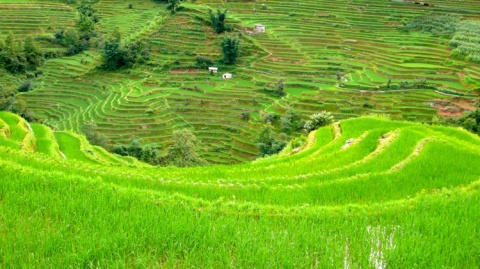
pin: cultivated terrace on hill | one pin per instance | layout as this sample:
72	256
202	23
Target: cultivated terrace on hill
363	193
103	103
410	61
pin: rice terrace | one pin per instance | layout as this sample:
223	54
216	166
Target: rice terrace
239	134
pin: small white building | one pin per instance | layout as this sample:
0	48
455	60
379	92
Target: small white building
213	69
259	28
227	76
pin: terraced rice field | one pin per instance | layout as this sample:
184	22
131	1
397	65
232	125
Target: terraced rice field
398	194
307	42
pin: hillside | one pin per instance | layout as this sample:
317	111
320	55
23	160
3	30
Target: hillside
349	58
365	192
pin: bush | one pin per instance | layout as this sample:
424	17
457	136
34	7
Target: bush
149	153
291	121
276	89
318	120
203	62
245	115
25	86
116	56
267	143
470	121
271	118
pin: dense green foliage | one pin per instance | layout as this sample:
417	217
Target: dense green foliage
184	150
117	55
277	89
230	50
218	20
19	57
9	100
267	141
173	5
433	23
291	121
466	41
85	34
203	62
318	120
148	153
470	121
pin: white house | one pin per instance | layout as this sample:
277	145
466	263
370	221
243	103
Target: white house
213	69
227	75
259	28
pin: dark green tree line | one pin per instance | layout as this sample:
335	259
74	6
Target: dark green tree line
117	55
230	50
218	20
19	57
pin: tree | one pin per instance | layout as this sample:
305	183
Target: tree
291	121
12	57
25	86
218	20
113	55
245	115
276	89
230	50
280	88
203	61
271	118
116	34
173	5
318	120
149	153
267	143
470	121
116	55
33	55
183	151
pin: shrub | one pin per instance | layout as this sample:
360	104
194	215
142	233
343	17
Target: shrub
276	89
116	56
318	120
245	115
271	118
149	153
291	121
25	86
203	62
267	143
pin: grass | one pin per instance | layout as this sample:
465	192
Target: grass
401	195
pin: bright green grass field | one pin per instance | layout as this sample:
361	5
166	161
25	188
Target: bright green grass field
401	195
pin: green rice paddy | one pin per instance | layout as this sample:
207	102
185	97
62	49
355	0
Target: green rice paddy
401	194
379	188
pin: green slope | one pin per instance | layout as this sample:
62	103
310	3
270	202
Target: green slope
400	195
